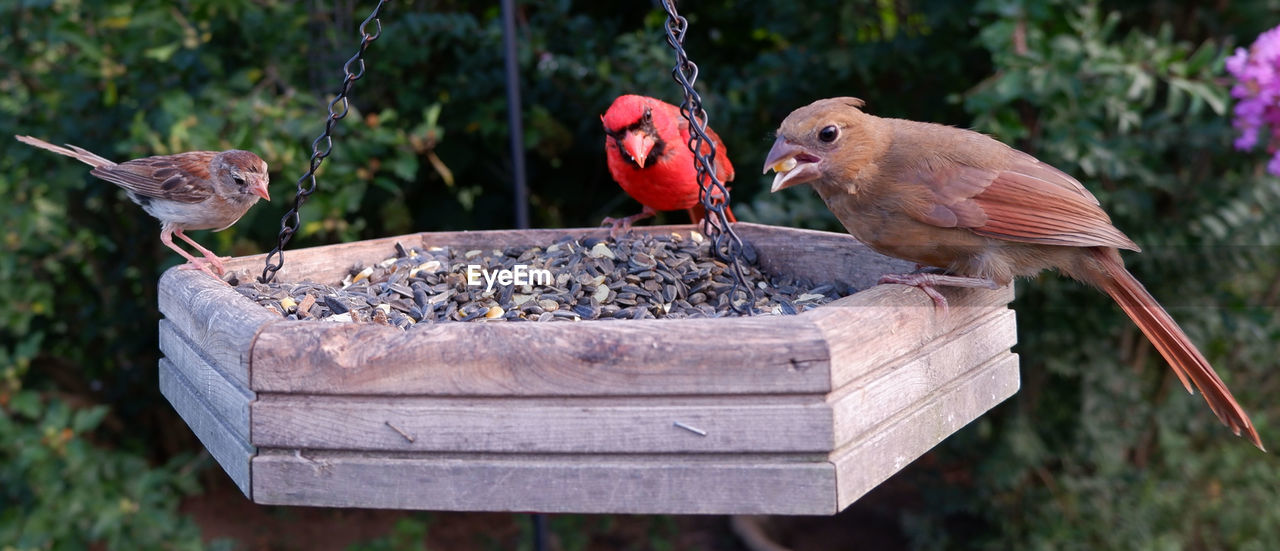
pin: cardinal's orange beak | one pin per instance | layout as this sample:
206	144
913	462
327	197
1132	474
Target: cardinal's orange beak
638	144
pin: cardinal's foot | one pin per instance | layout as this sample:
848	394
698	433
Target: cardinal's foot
619	226
927	282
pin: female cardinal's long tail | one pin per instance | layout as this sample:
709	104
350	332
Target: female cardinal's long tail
1187	361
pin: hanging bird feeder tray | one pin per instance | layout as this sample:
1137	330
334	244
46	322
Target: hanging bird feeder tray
770	414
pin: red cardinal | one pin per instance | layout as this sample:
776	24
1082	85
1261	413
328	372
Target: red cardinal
647	144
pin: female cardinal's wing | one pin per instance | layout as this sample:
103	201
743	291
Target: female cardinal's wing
183	177
1026	200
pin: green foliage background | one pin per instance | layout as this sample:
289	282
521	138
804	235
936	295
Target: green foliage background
1099	449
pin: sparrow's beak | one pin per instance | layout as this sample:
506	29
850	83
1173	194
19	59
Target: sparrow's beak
260	188
638	144
792	163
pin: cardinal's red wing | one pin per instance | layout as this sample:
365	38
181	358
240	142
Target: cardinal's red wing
724	169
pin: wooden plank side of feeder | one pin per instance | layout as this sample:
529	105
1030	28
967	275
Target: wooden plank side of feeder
786	354
218	321
232	453
616	484
860	406
905	320
755	424
864	464
226	399
818	256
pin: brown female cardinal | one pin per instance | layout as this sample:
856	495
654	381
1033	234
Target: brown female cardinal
647	146
978	209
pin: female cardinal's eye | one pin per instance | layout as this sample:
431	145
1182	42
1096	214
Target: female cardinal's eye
829	134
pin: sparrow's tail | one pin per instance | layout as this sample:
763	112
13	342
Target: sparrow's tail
72	151
1187	362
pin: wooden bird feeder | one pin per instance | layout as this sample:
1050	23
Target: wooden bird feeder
743	415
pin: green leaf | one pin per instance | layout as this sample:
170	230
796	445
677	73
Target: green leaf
162	53
88	419
1214	96
26	403
405	166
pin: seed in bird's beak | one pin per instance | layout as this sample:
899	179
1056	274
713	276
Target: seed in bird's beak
785	165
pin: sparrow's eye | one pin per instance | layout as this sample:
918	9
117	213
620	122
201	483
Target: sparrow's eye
829	134
239	181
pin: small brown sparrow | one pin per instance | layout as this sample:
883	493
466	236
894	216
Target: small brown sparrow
196	190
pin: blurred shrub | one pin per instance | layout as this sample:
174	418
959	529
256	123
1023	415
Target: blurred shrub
408	534
63	492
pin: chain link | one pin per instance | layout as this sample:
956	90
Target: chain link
307	183
726	243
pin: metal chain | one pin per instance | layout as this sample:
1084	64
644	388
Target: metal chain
725	242
307	183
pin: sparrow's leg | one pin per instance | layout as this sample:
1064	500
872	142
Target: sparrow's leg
214	259
201	264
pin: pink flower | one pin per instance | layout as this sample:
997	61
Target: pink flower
1258	90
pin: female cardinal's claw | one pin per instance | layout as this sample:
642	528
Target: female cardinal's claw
927	281
939	301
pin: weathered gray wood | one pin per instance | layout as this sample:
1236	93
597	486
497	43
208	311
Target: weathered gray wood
862	405
513	425
818	255
866	463
218	320
786	355
225	398
619	484
871	328
230	451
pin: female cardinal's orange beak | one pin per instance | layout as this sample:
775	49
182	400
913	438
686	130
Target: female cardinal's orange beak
638	144
793	164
